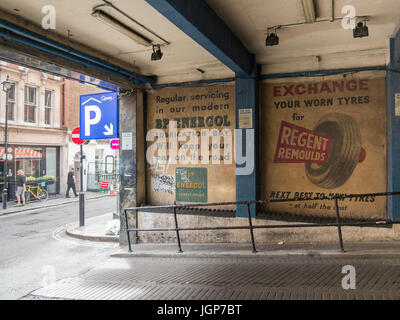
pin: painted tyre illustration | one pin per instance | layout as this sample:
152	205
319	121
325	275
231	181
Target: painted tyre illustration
343	155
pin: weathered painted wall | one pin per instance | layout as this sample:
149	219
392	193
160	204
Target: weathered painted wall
325	136
128	162
196	110
286	235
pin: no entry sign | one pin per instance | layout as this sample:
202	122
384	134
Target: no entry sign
104	185
75	136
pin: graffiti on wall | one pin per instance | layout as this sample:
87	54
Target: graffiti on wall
163	183
192	128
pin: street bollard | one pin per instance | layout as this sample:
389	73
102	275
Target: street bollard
81	209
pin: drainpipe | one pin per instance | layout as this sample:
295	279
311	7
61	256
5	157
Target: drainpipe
63	103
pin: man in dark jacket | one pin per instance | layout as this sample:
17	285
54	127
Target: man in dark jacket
71	183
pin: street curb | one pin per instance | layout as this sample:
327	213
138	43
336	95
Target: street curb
92	238
70	228
52	205
262	254
250	255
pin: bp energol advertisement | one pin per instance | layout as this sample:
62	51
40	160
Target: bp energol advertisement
322	138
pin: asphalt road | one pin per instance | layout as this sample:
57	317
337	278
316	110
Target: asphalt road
31	256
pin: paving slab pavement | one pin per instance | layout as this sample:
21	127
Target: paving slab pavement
219	271
94	229
231	278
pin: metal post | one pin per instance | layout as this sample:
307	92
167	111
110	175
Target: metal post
177	230
81	194
5	188
127	231
338	224
251	228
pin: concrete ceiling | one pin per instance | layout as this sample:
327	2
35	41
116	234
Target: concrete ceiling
298	49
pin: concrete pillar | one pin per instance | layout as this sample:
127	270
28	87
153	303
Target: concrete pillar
128	162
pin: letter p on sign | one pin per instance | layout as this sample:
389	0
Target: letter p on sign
91	120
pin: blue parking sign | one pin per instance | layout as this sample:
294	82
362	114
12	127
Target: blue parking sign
98	116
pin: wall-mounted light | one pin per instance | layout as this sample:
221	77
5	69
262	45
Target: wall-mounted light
119	26
157	54
361	30
272	39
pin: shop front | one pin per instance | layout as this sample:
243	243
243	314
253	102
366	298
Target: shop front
40	164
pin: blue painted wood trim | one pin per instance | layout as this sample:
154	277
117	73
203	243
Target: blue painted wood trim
192	83
247	97
393	128
393	136
320	72
203	25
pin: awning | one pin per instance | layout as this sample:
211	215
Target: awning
27	153
23	153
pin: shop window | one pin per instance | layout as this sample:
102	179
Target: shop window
30	104
51	167
29	160
48	106
11	103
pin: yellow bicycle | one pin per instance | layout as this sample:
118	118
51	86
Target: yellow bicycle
36	192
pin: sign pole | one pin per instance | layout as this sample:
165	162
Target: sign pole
5	186
81	194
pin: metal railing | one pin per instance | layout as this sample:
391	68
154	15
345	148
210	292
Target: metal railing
250	225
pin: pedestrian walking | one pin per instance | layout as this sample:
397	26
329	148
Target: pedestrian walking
71	183
21	187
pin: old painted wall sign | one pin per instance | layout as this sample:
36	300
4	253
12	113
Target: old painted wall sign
322	137
191	184
196	109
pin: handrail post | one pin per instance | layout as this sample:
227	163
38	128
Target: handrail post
338	224
127	230
177	229
251	228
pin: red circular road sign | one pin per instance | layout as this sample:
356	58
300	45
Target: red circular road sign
75	136
114	144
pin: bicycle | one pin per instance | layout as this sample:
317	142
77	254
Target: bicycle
36	192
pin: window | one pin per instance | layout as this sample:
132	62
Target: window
11	103
48	105
30	104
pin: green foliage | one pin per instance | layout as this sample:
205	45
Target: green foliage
40	179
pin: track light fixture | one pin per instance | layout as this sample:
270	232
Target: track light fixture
119	26
157	54
272	39
309	10
361	30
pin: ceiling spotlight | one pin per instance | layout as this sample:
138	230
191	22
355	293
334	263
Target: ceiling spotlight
361	30
272	39
157	54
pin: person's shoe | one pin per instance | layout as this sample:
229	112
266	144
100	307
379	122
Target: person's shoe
68	197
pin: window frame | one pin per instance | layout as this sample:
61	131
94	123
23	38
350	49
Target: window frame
12	101
29	104
50	107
